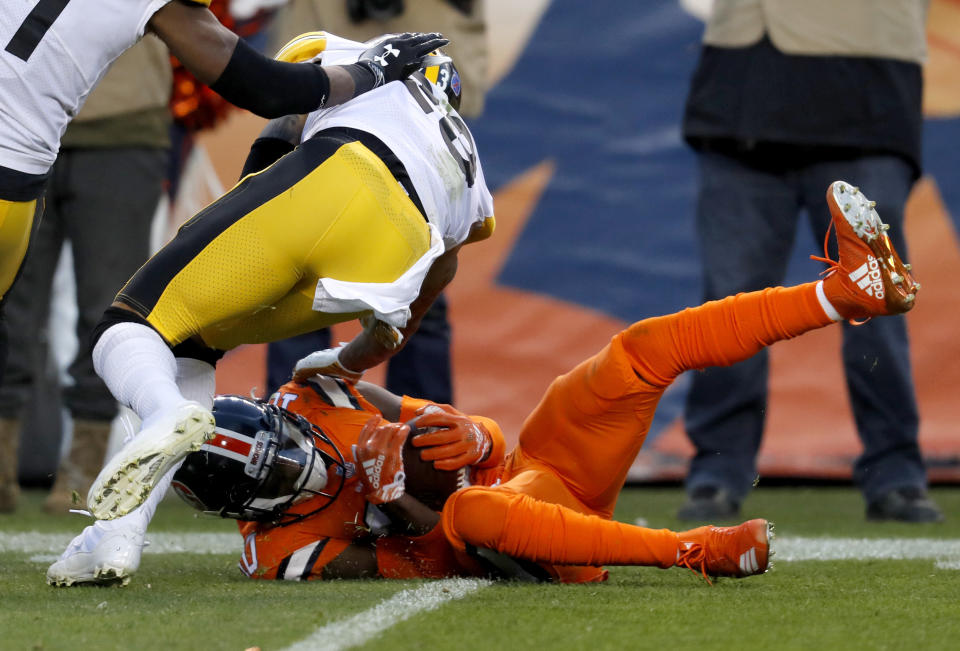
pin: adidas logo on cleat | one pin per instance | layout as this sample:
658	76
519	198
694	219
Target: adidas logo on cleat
748	561
868	278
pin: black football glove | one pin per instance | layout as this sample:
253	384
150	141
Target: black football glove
397	56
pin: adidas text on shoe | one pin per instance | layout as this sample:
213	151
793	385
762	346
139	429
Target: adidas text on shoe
738	551
127	479
868	278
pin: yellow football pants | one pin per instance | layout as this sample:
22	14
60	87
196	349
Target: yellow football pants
16	225
244	270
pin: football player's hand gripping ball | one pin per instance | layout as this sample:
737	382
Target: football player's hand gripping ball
456	442
379	455
397	56
324	362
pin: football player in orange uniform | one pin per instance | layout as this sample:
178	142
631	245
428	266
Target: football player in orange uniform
321	489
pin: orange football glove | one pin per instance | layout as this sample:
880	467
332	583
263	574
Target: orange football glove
379	454
459	442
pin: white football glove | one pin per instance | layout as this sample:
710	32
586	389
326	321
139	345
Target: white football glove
324	362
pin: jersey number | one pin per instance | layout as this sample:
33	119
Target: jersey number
34	26
452	128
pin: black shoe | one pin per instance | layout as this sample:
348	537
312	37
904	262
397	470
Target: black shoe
907	504
708	504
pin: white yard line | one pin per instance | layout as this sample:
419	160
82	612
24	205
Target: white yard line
159	543
364	626
792	548
786	548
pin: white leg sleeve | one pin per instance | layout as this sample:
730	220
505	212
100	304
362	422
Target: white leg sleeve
134	523
138	367
196	380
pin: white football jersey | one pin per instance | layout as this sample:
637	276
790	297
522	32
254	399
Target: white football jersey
52	54
415	120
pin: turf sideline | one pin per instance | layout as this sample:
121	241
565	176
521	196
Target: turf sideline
365	626
786	548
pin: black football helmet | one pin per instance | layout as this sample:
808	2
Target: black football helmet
440	71
261	461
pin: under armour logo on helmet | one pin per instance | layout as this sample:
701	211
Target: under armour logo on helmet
381	59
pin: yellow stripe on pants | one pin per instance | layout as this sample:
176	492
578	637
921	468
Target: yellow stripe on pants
16	224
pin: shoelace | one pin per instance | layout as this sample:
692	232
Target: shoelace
694	558
834	266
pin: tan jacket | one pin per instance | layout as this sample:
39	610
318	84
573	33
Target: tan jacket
893	29
467	34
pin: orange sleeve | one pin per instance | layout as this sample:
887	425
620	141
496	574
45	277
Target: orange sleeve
409	407
498	448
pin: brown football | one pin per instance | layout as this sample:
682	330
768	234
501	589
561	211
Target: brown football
426	483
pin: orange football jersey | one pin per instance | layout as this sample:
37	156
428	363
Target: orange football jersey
300	551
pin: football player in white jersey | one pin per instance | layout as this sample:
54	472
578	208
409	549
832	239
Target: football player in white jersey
359	213
55	51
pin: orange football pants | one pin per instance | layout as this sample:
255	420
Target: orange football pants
561	482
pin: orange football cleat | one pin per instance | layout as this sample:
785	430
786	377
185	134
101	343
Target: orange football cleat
738	551
869	279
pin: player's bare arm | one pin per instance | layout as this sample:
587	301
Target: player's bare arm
271	88
367	349
196	37
408	517
358	561
386	402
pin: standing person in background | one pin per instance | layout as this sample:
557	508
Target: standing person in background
787	96
423	367
101	197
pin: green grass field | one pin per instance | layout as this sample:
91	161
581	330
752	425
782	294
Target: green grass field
897	588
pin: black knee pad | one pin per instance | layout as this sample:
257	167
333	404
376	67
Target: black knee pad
111	317
193	350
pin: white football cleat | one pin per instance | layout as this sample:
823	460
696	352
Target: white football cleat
127	479
111	560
